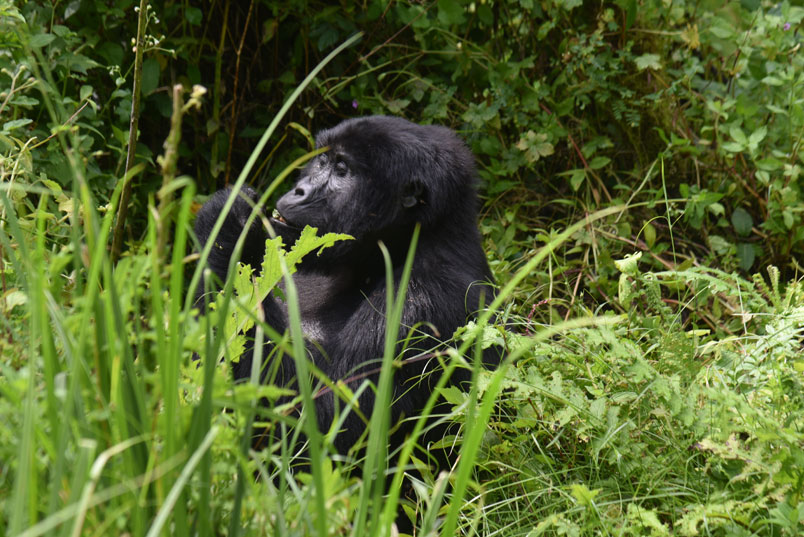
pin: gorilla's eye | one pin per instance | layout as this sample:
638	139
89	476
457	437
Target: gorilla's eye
341	169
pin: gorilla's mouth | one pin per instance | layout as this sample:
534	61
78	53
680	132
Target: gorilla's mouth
277	218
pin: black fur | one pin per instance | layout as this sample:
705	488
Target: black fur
380	176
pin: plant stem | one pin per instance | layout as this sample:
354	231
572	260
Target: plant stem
168	162
122	210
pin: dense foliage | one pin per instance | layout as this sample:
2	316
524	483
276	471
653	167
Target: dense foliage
654	379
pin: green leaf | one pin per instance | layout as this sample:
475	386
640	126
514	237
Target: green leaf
193	15
733	147
757	136
583	495
716	209
9	126
150	75
738	135
787	217
41	40
746	255
648	61
576	179
742	221
650	235
535	146
450	12
631	11
309	241
569	5
723	30
86	91
598	162
769	164
628	264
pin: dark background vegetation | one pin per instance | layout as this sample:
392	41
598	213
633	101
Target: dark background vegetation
568	105
682	416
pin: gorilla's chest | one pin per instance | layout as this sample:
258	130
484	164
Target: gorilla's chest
327	303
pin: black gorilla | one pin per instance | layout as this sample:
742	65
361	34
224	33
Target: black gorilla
380	177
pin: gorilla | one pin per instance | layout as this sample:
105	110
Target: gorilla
379	179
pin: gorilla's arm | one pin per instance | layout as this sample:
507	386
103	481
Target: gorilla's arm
223	248
252	254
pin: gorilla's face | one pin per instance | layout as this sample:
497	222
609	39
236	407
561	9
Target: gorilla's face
361	185
324	196
379	176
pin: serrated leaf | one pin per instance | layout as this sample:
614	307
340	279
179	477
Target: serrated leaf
309	241
583	495
648	61
450	12
535	146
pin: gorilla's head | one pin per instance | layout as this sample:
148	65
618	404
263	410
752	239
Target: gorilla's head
380	176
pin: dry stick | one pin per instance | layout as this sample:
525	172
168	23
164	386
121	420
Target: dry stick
168	162
233	126
125	197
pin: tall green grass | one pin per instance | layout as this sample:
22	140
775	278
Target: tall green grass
120	431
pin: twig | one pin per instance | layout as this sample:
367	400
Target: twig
233	126
125	197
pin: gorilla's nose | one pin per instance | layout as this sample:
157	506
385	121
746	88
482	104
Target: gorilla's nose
295	197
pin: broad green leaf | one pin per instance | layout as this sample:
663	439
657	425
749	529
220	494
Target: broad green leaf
742	221
577	178
648	61
757	136
650	235
746	255
583	495
9	126
41	40
598	162
738	135
450	12
193	15
733	147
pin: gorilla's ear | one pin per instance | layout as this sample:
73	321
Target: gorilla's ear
412	194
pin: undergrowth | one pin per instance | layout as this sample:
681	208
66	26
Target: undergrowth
641	171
